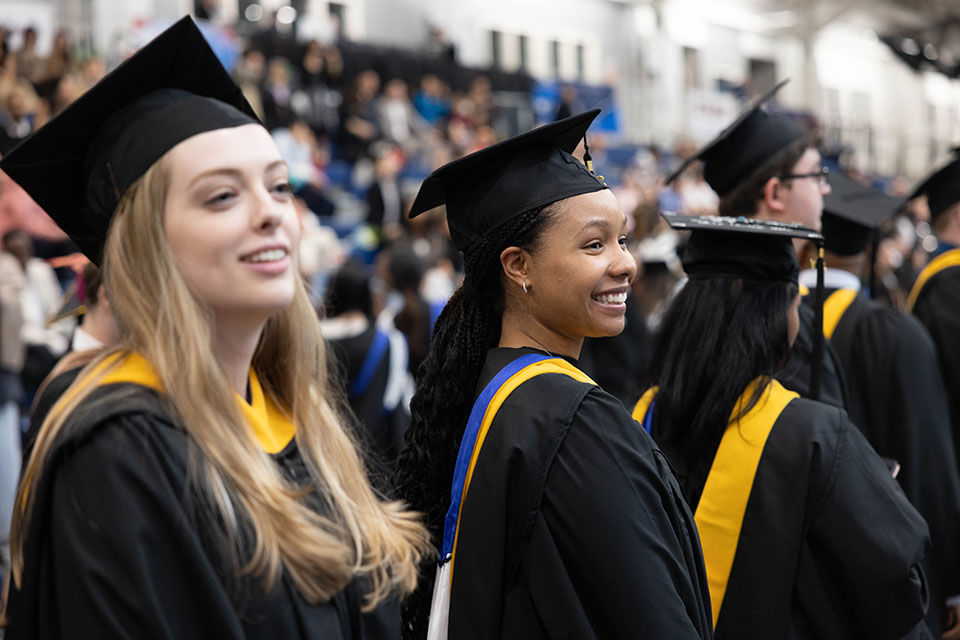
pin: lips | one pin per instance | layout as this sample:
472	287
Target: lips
273	254
619	297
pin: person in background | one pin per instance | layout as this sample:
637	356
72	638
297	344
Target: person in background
935	296
385	206
413	316
767	167
97	330
370	361
197	480
892	373
805	532
12	355
41	300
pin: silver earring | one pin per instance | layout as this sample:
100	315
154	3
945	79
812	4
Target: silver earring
524	286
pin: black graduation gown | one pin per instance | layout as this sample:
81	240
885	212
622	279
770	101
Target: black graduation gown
890	364
120	546
384	428
938	308
573	525
795	374
829	546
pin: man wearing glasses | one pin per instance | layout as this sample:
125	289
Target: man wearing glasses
768	167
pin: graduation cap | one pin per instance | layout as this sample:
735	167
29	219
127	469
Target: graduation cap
750	249
942	187
491	186
78	166
752	139
852	214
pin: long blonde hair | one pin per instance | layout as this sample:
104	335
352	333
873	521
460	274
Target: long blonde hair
360	535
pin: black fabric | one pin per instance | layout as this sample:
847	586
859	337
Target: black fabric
384	428
726	247
491	186
829	546
752	139
851	212
79	164
942	187
573	526
795	374
938	308
892	372
122	546
42	406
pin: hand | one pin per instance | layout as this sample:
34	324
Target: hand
951	623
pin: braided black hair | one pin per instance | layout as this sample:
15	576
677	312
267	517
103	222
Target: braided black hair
468	326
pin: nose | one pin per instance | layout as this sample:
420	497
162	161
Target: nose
624	265
267	213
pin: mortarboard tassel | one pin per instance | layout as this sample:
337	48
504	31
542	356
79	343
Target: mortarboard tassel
874	247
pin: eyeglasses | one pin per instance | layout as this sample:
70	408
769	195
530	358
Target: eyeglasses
820	174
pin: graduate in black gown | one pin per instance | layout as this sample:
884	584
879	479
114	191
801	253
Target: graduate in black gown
892	373
573	525
935	296
766	166
805	533
196	481
368	361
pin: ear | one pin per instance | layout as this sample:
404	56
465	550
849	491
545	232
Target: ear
516	263
102	298
772	194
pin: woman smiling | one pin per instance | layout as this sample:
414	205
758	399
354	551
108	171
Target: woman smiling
196	481
556	514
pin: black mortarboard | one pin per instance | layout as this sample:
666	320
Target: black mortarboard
851	213
79	164
487	188
942	187
723	247
740	149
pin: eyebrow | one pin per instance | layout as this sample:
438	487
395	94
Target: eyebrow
601	222
231	171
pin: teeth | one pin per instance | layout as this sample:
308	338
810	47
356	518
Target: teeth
270	255
611	298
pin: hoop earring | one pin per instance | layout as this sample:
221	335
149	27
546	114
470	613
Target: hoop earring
524	286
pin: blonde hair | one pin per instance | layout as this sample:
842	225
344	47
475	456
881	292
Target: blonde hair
360	535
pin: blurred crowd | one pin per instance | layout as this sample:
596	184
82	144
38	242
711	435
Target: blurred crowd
360	128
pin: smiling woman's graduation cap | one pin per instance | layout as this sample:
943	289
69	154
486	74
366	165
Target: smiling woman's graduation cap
750	249
942	187
489	187
79	165
741	148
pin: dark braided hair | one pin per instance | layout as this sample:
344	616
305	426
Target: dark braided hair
468	326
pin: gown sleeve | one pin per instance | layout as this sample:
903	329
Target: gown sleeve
866	544
127	562
625	535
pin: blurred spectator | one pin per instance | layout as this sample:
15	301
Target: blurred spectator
249	73
359	122
59	61
276	93
11	362
432	100
316	102
440	45
97	330
568	102
410	312
40	299
384	201
369	361
300	149
18	117
29	64
399	120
